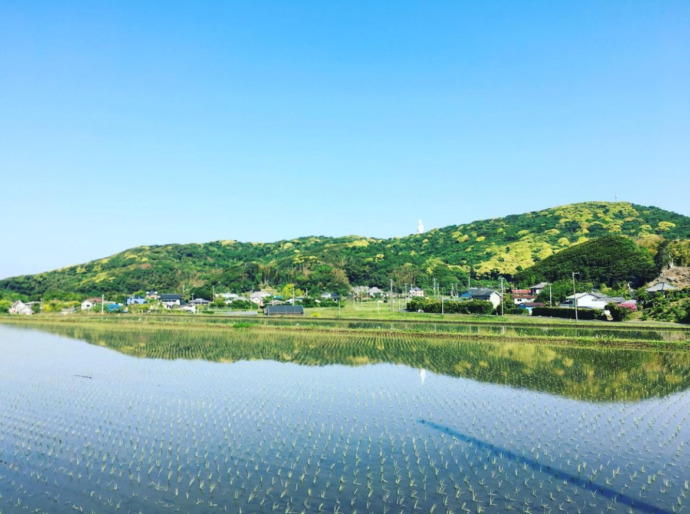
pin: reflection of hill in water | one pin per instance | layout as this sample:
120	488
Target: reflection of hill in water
580	373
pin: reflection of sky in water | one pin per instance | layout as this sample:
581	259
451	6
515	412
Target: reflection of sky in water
194	436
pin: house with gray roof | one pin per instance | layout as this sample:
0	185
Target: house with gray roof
284	310
485	294
660	287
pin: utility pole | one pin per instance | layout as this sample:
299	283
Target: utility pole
442	310
575	294
102	303
502	293
550	304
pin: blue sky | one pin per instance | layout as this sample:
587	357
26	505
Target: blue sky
131	123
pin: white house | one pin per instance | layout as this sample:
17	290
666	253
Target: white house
416	292
591	300
90	303
487	295
521	296
20	307
171	299
375	291
257	297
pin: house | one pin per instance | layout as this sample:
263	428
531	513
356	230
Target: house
360	290
257	297
20	307
591	300
284	310
152	295
188	308
530	305
416	292
521	296
113	307
229	296
375	292
326	296
535	290
199	301
171	299
90	303
660	287
487	295
136	300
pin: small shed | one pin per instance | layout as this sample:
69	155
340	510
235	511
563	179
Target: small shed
284	310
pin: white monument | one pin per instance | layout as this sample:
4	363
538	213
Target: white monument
420	227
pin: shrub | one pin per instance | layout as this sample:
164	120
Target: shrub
563	312
451	307
617	312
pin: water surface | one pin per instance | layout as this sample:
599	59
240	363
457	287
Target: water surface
174	421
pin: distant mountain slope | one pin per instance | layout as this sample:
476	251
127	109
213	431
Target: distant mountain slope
484	248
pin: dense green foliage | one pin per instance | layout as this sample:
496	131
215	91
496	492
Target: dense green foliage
617	312
481	250
450	307
609	260
563	312
671	306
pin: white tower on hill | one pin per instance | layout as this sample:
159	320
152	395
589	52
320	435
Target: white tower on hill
420	227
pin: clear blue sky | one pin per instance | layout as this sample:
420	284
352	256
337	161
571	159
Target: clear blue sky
129	123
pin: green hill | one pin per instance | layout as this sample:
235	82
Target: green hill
481	249
609	260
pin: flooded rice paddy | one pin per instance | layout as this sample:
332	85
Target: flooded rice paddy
165	420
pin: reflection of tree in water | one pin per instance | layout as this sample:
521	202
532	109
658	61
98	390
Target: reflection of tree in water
591	374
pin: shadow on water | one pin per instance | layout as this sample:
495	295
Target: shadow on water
606	492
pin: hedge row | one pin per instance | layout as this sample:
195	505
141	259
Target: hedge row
563	312
451	307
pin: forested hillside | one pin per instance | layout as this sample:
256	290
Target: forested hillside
609	260
481	249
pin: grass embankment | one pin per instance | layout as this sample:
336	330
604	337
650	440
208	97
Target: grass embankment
595	335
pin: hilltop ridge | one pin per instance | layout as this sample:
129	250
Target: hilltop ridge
448	255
